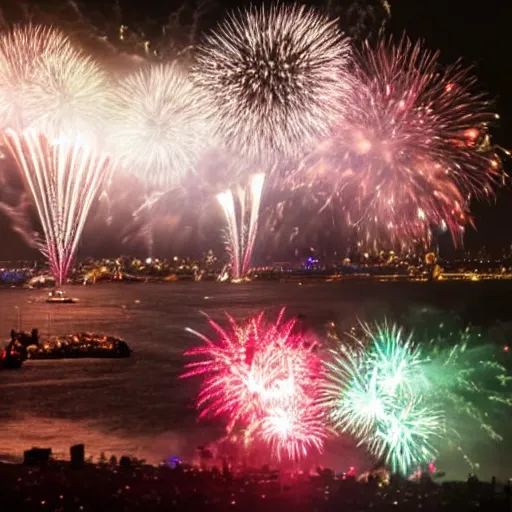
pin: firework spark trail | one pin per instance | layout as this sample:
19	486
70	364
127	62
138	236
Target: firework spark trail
54	133
405	401
64	177
412	147
160	125
397	358
257	183
262	378
227	203
462	376
274	78
468	380
241	235
20	220
145	212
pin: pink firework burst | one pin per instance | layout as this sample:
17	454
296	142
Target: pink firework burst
263	378
413	147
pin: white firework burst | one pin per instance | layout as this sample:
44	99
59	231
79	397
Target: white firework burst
275	78
160	125
68	95
21	51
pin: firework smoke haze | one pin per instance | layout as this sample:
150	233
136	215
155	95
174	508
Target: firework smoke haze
159	125
465	377
275	77
413	147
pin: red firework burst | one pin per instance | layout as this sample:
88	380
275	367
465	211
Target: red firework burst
262	377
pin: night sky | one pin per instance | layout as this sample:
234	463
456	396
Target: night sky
477	32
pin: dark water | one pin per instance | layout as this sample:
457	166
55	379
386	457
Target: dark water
139	406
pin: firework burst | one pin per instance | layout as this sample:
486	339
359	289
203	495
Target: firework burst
406	401
413	147
262	378
368	391
22	50
275	78
159	125
54	131
58	101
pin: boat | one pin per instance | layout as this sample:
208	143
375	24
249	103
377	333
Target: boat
10	359
80	345
12	363
59	297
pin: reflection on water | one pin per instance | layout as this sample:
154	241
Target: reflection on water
139	406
